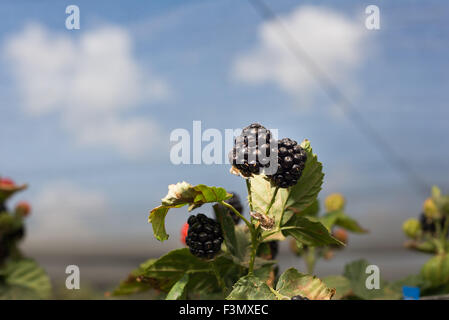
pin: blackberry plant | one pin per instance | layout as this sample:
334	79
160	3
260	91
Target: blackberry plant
20	277
429	234
224	259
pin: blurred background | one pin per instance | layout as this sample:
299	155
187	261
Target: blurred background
86	115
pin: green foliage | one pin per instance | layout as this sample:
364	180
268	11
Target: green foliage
23	279
237	273
251	288
291	283
436	270
308	232
179	195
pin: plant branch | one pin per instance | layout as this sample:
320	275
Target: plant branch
254	234
273	198
250	197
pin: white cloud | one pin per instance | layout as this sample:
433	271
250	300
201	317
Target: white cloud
65	212
333	41
91	81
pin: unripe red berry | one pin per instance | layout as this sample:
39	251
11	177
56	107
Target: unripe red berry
6	182
184	229
341	235
23	208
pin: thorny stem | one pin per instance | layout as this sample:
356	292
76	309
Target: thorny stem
310	260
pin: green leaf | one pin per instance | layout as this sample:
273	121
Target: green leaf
24	279
436	270
228	229
311	211
341	284
339	218
178	291
168	269
309	232
356	274
251	288
132	284
8	191
306	190
292	283
179	195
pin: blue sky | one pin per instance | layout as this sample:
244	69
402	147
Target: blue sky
183	58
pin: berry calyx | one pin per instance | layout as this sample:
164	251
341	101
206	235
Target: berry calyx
184	230
204	236
299	297
291	162
23	209
251	150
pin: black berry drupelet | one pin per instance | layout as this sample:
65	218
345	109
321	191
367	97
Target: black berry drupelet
291	162
204	236
298	297
237	204
251	150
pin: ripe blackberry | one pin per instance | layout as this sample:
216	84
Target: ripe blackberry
291	162
204	236
298	297
237	204
251	150
429	225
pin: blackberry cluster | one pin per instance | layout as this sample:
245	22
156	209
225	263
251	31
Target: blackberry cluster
204	236
291	162
298	297
237	204
429	225
251	150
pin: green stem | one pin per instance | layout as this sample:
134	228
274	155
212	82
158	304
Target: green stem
250	197
310	260
237	213
445	230
273	198
220	280
254	236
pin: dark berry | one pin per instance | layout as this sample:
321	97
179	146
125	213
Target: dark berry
291	162
430	225
204	237
298	297
251	150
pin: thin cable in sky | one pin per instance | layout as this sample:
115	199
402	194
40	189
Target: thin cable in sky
388	152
